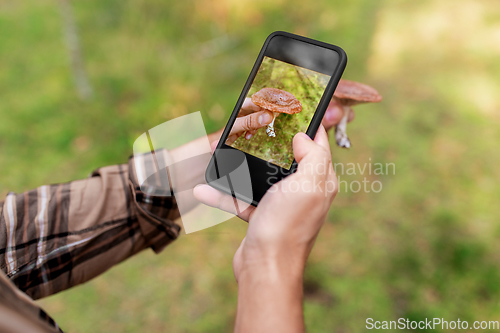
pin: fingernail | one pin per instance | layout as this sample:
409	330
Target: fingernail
331	112
304	135
248	136
264	118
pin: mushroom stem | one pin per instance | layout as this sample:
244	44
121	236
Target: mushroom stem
340	130
270	128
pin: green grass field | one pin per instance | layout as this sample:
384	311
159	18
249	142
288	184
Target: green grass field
425	246
307	86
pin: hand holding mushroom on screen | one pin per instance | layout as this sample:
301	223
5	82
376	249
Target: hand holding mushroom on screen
250	118
261	110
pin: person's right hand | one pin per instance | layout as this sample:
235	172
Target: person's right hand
287	220
270	261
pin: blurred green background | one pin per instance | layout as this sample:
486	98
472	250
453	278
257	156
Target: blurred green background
425	246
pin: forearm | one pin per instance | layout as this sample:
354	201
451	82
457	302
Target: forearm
215	136
187	168
270	299
58	236
190	161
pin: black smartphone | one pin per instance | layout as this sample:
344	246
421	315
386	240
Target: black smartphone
294	77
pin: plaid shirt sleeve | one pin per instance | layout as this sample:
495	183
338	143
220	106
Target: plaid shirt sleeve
58	236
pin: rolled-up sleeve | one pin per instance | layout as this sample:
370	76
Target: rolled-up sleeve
58	236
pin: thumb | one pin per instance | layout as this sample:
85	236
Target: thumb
251	122
302	144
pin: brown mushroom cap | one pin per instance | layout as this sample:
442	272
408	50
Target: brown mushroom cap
351	93
277	100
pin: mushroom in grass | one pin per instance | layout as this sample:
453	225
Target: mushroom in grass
347	94
277	101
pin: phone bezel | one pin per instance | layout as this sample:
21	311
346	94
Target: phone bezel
257	166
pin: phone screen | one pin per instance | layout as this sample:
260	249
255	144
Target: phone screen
291	93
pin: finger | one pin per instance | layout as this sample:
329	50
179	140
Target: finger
302	141
214	198
321	138
213	145
333	114
249	134
303	146
231	138
248	105
251	122
352	115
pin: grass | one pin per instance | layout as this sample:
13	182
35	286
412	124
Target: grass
425	246
307	86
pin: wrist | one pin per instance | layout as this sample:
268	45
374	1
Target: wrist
270	268
270	297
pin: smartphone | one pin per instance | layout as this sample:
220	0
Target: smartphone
294	77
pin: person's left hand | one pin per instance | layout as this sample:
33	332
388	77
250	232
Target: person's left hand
334	114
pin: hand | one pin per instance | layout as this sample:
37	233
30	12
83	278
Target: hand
282	229
285	224
250	118
196	176
277	224
334	114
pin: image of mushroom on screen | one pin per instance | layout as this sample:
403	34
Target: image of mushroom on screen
287	96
